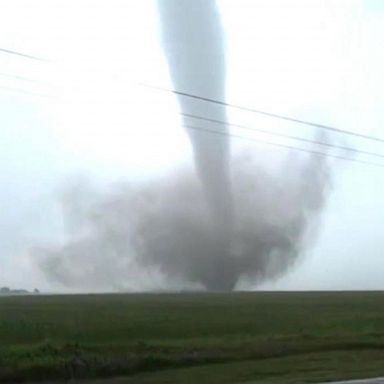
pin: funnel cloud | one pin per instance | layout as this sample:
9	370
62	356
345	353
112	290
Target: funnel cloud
226	220
194	46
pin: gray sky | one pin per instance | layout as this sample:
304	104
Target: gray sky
315	60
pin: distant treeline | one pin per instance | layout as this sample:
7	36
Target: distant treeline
9	291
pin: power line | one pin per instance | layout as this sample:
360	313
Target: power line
350	149
8	51
19	90
269	114
345	148
290	147
232	124
211	131
22	78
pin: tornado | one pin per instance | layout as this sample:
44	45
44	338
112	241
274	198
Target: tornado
229	220
193	40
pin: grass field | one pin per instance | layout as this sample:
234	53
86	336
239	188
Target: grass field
193	338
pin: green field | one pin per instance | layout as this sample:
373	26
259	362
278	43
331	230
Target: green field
193	338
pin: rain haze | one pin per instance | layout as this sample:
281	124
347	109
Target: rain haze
107	185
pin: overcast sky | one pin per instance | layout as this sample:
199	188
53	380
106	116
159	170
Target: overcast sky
86	115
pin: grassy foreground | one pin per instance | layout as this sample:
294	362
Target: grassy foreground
193	338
